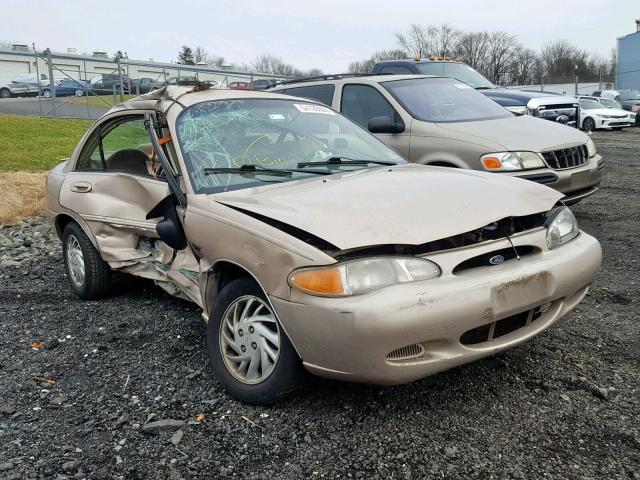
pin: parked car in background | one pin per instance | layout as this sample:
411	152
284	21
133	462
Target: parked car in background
24	85
595	116
142	85
18	89
309	244
104	84
239	86
67	87
556	108
444	122
262	84
605	93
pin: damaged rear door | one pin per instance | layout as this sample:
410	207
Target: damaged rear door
114	185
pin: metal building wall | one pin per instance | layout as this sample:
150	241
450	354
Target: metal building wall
628	67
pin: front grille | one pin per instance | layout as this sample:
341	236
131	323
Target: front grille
406	353
490	258
567	157
491	331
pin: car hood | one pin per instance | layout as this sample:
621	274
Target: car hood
407	204
606	111
519	133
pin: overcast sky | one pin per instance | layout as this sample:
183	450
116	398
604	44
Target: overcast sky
328	34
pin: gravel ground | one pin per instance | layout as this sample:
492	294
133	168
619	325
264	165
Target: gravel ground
121	388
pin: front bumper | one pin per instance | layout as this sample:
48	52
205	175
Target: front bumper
575	183
606	123
352	338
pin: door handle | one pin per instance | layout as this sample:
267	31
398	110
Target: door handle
81	187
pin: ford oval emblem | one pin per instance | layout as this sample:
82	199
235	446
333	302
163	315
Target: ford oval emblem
496	260
562	119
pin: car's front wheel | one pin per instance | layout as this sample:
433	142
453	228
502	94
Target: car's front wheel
89	275
5	93
46	93
589	124
249	351
79	92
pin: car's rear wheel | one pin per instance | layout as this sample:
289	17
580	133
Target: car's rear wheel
46	93
89	275
249	351
79	92
5	93
589	124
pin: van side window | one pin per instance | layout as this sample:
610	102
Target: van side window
321	93
362	102
122	145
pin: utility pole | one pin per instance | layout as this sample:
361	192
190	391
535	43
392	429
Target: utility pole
575	77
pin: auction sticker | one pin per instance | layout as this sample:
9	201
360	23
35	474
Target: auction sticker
310	108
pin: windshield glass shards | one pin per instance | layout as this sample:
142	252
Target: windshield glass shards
228	144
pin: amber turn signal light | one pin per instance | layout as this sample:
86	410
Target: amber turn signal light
326	281
491	163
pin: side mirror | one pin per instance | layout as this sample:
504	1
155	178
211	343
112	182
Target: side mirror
169	229
385	125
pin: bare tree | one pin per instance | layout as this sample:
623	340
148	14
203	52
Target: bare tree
502	50
5	45
472	48
417	42
445	40
421	41
267	63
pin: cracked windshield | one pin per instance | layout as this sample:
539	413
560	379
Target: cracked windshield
235	144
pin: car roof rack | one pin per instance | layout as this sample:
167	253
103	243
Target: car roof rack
336	76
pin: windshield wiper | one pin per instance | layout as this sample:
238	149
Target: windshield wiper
257	170
484	88
345	161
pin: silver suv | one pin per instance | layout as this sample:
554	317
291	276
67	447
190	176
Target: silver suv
444	122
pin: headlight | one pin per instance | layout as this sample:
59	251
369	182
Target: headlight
510	161
518	110
604	116
591	148
562	226
361	276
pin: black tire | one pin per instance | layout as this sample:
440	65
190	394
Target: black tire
286	376
5	93
46	93
96	280
589	124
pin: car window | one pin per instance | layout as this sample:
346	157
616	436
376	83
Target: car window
395	69
321	93
444	100
121	145
362	102
275	134
587	104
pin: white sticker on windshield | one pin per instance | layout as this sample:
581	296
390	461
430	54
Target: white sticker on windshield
310	108
276	116
461	86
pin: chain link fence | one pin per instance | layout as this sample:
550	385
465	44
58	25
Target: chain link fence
85	86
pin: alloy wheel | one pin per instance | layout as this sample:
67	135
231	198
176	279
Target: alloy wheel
75	260
249	340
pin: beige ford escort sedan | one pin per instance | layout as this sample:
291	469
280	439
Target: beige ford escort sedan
308	243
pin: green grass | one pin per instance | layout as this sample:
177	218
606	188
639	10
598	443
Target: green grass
104	101
32	143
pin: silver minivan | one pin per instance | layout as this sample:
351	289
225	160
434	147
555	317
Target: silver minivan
444	122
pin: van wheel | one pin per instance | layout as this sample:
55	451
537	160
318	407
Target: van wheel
89	275
589	124
249	351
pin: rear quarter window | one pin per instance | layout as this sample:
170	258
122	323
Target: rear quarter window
321	93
